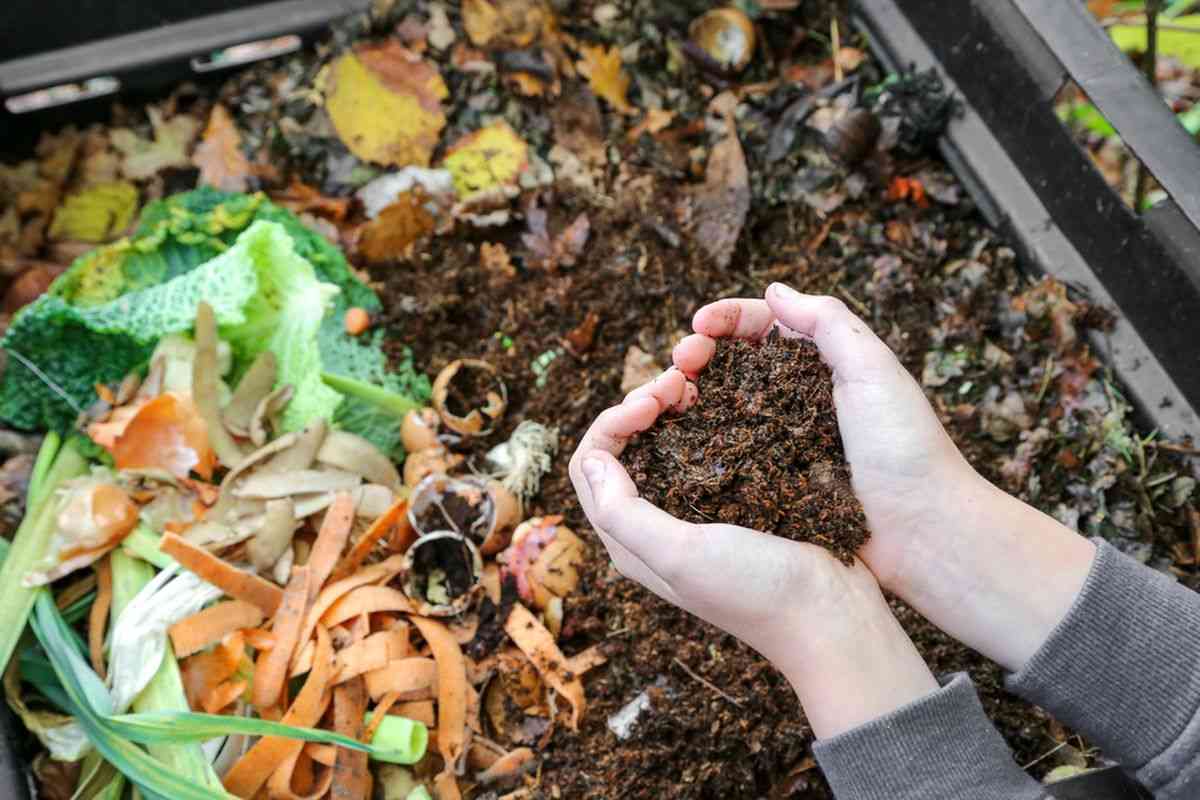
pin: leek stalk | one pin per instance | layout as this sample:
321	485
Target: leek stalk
53	467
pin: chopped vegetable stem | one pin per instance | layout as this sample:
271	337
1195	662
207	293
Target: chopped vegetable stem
32	536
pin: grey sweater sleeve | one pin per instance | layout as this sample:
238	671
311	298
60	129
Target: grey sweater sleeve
1123	668
941	747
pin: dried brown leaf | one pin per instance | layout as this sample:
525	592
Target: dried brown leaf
219	154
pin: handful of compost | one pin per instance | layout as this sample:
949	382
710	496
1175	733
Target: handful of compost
760	449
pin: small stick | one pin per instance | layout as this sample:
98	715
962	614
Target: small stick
835	37
1045	755
709	684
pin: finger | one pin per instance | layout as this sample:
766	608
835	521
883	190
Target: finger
613	428
659	540
693	353
690	395
610	433
742	319
633	568
846	342
667	389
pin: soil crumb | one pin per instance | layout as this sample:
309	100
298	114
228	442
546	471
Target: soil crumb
760	449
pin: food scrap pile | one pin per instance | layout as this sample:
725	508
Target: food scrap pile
760	449
524	201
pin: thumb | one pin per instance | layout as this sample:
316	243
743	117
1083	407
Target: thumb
847	344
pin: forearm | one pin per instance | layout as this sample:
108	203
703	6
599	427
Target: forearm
997	574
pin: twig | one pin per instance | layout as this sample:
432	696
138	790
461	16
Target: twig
709	684
1151	68
1047	376
1182	449
835	42
1044	756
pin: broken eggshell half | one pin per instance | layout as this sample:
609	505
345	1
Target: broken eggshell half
544	558
441	573
482	510
469	396
419	430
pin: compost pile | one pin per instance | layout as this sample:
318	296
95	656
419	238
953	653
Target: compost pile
416	312
759	449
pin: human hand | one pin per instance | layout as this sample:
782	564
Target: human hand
826	626
903	465
988	569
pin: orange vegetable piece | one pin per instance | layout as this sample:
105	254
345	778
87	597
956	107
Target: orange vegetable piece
166	433
331	541
357	321
411	678
223	695
383	571
367	600
271	671
397	514
204	672
98	616
193	634
351	780
252	770
451	690
236	583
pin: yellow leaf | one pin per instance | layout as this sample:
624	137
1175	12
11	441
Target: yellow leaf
219	154
489	157
386	104
96	214
509	24
481	20
606	77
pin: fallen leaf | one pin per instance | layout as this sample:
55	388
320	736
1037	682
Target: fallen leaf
606	75
390	235
299	197
562	250
507	24
219	154
481	20
489	157
656	119
97	214
580	338
144	158
640	368
495	259
385	103
721	204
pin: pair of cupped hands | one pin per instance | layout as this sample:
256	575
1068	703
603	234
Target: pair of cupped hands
942	538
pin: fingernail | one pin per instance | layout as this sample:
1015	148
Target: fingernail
593	470
784	292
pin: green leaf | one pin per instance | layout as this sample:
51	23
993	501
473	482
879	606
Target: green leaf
407	746
90	705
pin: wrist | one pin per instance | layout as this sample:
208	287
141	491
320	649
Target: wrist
997	574
848	659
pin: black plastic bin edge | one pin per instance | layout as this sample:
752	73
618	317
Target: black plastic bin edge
1013	206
